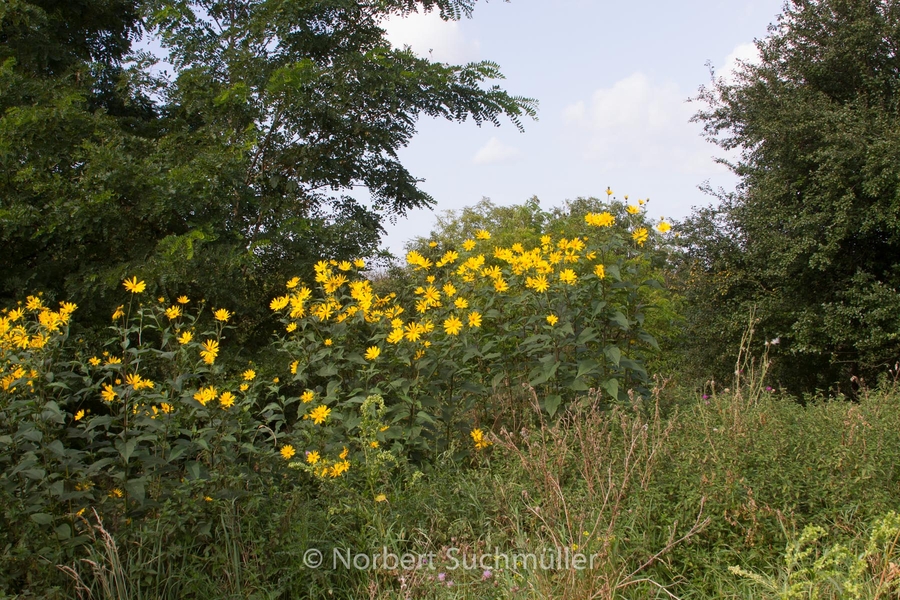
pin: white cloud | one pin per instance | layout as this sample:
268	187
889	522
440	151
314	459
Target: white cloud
495	151
639	123
747	53
431	37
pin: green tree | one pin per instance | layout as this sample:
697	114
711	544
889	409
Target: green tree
232	174
810	239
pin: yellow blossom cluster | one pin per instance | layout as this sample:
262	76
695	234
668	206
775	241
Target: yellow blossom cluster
24	330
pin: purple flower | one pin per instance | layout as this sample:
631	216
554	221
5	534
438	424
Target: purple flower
442	576
706	396
486	575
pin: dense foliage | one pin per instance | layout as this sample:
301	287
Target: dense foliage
235	168
810	241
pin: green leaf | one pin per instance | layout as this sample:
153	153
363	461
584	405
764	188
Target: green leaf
551	403
136	490
497	379
614	354
126	449
41	518
620	320
587	366
612	387
649	339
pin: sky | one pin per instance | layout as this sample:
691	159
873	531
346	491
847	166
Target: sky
612	80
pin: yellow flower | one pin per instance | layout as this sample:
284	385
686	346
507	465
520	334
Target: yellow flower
117	493
185	337
609	192
474	319
173	312
500	285
291	327
395	336
114	360
340	468
67	308
453	325
33	303
292	283
294	366
313	457
108	393
552	319
344	453
538	284
600	271
568	276
182	300
414	331
307	396
79	415
210	351
319	414
372	352
640	235
493	272
432	244
204	395
135	381
418	261
94	361
226	399
373	444
359	263
461	303
482	234
275	380
380	498
345	265
166	407
222	314
478	438
468	245
604	219
279	302
663	227
287	451
134	286
119	312
161	299
632	209
328	342
333	283
249	375
449	257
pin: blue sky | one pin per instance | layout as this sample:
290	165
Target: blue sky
612	79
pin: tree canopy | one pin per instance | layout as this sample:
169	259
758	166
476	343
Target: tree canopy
810	240
230	174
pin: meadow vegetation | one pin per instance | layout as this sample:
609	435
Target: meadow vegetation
212	385
493	415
